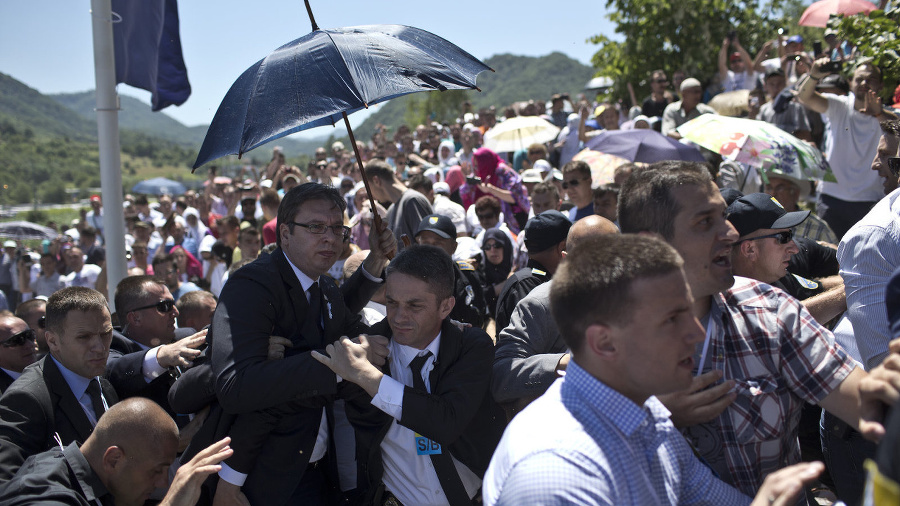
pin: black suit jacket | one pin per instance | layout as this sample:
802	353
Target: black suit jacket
124	370
5	381
259	300
459	413
38	405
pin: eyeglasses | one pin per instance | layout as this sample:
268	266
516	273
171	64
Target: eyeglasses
893	164
318	228
19	339
163	306
782	237
493	245
574	182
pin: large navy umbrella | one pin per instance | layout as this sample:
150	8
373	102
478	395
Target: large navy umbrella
643	145
323	76
159	186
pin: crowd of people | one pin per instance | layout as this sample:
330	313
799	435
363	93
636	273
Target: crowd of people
474	327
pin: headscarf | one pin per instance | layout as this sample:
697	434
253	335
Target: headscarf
497	273
455	178
444	161
197	233
487	162
193	266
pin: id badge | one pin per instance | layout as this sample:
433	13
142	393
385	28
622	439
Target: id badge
425	446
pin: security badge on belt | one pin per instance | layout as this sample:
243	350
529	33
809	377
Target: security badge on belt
425	446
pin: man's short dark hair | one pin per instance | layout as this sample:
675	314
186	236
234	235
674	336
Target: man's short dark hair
159	259
302	194
603	189
421	183
269	198
428	263
230	222
191	303
546	187
89	230
593	284
25	308
381	170
646	202
73	298
577	166
891	127
487	204
141	200
248	231
131	292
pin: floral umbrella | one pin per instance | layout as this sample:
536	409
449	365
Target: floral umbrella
757	144
603	166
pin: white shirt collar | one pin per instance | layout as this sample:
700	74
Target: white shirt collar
406	354
305	281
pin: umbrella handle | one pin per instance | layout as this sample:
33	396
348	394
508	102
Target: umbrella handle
379	225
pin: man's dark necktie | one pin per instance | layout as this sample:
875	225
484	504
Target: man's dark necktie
314	313
442	462
93	391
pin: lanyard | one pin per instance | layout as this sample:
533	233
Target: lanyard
710	330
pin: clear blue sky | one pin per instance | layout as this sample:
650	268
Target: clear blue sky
47	43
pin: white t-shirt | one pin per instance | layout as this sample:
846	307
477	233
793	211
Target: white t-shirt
742	81
854	142
87	276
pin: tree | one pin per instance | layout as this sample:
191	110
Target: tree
875	38
440	106
682	34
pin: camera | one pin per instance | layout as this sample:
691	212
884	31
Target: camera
732	35
473	180
832	67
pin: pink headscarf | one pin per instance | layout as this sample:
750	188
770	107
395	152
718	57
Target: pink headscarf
455	178
488	161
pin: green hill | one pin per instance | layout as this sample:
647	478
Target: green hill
27	110
516	78
136	115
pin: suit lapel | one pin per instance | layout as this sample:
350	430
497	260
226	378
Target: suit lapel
66	400
297	296
447	351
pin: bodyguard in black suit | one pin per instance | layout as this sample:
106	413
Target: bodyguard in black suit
265	298
17	349
144	354
426	424
59	399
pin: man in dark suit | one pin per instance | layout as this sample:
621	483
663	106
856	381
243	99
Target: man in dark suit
126	457
285	294
144	350
17	349
427	424
59	399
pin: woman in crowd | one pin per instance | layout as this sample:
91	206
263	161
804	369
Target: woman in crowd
497	179
497	249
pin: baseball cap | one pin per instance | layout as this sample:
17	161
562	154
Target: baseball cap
735	56
441	188
759	210
774	72
795	39
9	244
95	198
546	230
532	176
439	224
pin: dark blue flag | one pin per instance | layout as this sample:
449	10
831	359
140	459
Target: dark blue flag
148	50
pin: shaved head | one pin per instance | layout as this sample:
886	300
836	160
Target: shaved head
587	228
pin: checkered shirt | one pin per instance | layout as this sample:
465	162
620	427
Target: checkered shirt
779	357
585	443
816	229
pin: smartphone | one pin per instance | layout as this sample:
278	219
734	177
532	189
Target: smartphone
832	67
473	180
732	35
817	48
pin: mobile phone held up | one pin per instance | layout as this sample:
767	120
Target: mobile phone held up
832	67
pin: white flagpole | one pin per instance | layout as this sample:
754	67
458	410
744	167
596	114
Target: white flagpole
108	139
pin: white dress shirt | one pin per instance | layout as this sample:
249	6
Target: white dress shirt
407	475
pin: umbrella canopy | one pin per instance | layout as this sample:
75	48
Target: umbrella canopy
599	83
159	186
730	103
603	165
25	230
644	146
757	144
518	133
322	76
818	13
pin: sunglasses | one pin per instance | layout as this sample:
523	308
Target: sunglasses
894	165
493	245
782	237
19	339
573	183
163	306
